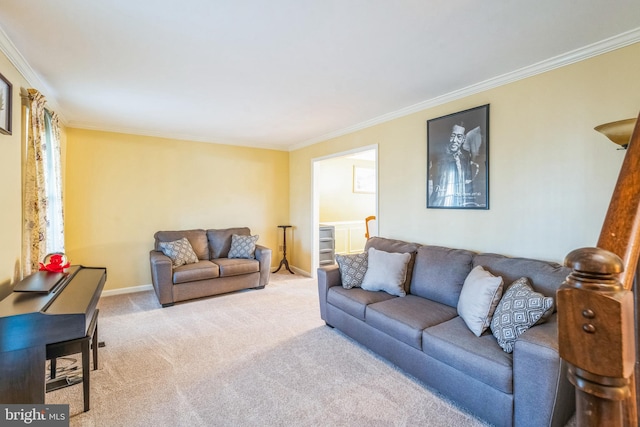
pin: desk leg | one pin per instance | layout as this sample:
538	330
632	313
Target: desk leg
85	373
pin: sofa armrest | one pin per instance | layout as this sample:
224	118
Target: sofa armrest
542	392
327	277
162	277
263	255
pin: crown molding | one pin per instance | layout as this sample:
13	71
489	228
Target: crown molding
33	80
174	136
577	55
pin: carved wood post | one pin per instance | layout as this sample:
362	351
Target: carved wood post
596	323
595	326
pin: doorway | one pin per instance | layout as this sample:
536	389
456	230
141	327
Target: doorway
345	193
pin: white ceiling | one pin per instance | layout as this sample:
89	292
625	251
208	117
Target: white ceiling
286	73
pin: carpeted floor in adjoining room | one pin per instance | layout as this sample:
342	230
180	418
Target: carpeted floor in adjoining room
250	358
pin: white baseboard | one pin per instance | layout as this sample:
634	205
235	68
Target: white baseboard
128	290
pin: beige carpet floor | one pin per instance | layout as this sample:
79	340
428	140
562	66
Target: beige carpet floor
250	358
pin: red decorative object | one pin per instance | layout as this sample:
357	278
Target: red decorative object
56	263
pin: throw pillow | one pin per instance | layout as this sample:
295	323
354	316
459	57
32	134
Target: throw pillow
386	271
243	246
519	309
180	251
352	269
479	297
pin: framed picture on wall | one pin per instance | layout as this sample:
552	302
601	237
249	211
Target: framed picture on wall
458	160
364	180
5	106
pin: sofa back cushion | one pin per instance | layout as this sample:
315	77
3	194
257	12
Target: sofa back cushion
220	240
545	277
197	238
395	246
439	273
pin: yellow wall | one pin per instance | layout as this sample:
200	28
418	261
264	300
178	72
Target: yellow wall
551	174
11	188
120	189
338	201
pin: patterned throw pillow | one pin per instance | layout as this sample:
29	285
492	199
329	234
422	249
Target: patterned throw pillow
519	309
352	269
243	246
180	251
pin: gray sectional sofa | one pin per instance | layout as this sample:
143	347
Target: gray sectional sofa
423	334
211	271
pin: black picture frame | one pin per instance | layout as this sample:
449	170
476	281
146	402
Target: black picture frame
458	160
6	97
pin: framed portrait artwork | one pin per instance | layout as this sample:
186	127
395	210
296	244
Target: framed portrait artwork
458	160
5	106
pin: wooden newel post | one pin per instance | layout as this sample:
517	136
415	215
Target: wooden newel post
596	336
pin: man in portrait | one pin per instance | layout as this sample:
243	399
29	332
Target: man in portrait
453	172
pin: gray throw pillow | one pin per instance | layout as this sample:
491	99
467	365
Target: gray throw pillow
479	297
180	251
352	269
243	246
386	272
519	309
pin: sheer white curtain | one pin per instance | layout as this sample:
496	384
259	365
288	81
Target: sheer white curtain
43	216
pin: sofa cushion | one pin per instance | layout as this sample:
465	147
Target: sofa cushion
354	301
200	270
481	293
386	271
405	318
352	269
220	240
236	266
180	252
519	309
439	273
243	246
545	277
481	357
197	238
395	246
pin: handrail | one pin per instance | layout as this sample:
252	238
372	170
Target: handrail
596	324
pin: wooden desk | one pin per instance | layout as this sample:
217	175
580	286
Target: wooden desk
29	321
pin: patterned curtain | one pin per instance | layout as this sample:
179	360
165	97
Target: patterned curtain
42	163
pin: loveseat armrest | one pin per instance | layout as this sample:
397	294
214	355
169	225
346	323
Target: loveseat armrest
263	255
162	277
327	277
543	395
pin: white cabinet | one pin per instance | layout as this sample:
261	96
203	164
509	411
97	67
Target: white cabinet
327	244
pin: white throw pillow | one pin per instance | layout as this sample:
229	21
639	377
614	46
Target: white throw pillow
387	271
480	295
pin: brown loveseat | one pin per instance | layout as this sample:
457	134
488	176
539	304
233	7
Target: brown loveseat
213	272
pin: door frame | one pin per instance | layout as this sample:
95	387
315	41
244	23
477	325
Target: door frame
315	199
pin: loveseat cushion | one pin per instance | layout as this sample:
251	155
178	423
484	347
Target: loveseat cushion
354	301
236	266
405	318
201	270
197	238
545	277
439	273
220	240
481	357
